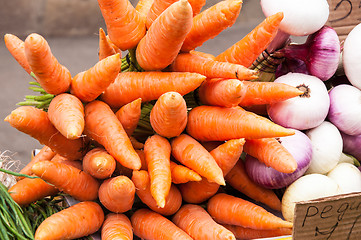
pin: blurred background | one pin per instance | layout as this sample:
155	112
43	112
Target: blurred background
71	29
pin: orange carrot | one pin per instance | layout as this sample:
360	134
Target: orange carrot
148	224
249	233
183	174
105	48
136	144
79	220
117	194
228	209
210	22
75	163
173	201
66	113
143	7
99	163
124	24
168	116
239	180
89	84
157	151
35	122
195	220
165	37
129	115
247	50
68	179
203	54
53	77
272	153
16	48
116	226
103	126
197	5
192	154
129	86
141	155
212	123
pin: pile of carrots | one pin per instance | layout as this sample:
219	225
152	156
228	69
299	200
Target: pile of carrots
173	183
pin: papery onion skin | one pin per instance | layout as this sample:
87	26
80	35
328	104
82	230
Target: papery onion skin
347	176
299	145
352	145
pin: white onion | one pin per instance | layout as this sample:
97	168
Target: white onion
347	176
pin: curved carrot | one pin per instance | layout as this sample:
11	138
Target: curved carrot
103	126
247	50
99	163
165	37
105	48
53	77
124	24
35	122
212	123
129	86
88	85
117	194
249	233
136	144
168	116
16	48
143	7
195	220
116	226
183	174
79	220
129	115
228	209
210	22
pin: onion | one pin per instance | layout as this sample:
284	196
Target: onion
352	145
305	111
345	108
351	56
299	145
347	176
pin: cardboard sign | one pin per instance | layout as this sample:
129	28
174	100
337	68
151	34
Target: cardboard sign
337	217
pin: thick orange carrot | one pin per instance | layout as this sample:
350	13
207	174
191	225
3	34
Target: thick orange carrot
105	48
247	50
212	123
148	224
79	220
129	86
195	220
75	163
16	48
197	5
183	174
53	77
116	226
129	115
124	24
239	180
45	154
228	209
272	153
157	151
68	179
143	7
191	62
103	126
165	37
35	122
88	85
210	22
99	163
66	113
249	233
168	116
192	154
117	194
203	54
173	201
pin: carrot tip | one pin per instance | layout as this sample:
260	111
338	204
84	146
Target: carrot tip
7	118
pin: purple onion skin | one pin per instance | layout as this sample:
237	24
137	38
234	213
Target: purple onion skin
299	145
293	65
352	145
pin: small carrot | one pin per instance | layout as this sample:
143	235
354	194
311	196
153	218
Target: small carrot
195	220
173	201
124	24
212	123
203	54
168	116
105	48
129	115
192	154
148	224
53	77
35	122
89	84
103	126
99	163
129	86
79	220
249	233
141	155
68	179
116	226
117	194
136	144
247	50
165	37
182	174
228	209
143	7
16	48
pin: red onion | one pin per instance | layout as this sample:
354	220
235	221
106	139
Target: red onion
293	65
299	145
352	145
